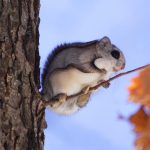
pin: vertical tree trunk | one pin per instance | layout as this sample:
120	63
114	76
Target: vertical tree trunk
20	127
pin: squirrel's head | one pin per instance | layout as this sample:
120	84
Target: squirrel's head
107	50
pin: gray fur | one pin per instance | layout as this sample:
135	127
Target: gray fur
59	49
80	56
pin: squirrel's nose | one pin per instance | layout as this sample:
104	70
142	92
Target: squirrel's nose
123	66
115	54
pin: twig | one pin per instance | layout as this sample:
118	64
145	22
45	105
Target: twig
52	102
102	83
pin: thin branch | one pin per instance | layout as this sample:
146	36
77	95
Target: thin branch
51	102
111	79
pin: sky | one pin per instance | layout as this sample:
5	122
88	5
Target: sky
127	23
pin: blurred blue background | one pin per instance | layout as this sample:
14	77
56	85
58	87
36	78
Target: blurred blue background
127	23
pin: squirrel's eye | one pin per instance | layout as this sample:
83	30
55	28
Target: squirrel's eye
115	54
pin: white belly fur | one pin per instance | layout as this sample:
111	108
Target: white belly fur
72	81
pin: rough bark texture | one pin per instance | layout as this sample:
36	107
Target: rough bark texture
21	128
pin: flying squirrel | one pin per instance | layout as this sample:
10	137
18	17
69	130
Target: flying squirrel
75	67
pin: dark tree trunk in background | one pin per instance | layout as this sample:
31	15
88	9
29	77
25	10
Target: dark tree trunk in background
20	127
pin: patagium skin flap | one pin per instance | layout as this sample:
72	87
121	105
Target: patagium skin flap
75	67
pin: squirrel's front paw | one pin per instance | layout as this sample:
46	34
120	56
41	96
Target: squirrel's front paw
106	84
58	100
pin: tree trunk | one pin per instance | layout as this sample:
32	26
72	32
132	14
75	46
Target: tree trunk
20	125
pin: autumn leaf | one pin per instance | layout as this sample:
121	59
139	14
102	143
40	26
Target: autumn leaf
140	93
140	88
141	122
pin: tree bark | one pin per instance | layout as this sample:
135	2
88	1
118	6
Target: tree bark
21	128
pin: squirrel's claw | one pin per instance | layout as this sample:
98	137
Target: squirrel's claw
85	90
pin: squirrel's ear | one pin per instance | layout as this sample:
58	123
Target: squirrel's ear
105	42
